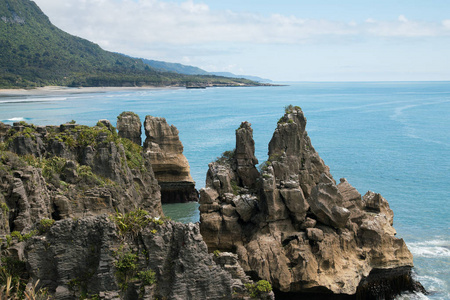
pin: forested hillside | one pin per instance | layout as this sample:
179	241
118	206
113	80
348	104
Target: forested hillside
34	52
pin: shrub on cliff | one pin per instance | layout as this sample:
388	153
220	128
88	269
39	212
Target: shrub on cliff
258	289
45	225
119	117
131	223
290	108
227	158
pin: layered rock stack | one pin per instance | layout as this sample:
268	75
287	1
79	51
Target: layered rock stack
299	229
129	126
170	166
245	156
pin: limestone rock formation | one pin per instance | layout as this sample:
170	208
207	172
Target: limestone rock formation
78	175
72	171
89	257
245	156
4	128
129	126
170	166
298	229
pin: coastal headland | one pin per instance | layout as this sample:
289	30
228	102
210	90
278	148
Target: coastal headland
81	217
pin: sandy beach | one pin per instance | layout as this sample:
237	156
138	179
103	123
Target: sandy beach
73	90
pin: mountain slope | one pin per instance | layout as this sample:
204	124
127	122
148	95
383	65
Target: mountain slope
34	52
249	77
175	67
191	70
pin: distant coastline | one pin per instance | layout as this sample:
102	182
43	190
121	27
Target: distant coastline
46	90
75	90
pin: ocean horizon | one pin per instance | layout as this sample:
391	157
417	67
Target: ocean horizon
389	137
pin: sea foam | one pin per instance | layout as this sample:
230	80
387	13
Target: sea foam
430	249
40	99
16	119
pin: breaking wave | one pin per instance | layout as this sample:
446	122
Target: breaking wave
43	99
430	249
15	119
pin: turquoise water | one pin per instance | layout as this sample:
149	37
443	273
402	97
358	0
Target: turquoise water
391	138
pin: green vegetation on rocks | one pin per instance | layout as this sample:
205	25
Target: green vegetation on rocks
126	265
75	137
147	277
257	289
227	157
131	223
13	278
45	225
290	108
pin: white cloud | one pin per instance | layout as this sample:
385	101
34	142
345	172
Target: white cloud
142	23
446	24
191	32
402	18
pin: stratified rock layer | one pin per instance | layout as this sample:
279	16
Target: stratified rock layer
129	126
245	156
91	181
170	166
79	257
298	229
72	170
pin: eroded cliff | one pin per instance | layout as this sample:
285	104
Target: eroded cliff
165	260
73	171
171	167
81	218
292	225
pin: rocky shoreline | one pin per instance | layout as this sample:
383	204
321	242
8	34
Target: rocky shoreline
81	218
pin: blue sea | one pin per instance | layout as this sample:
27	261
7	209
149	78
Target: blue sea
389	137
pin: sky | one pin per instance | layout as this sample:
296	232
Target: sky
283	40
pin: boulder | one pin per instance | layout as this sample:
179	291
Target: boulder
314	234
245	205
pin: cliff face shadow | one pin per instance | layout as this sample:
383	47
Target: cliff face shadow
380	284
